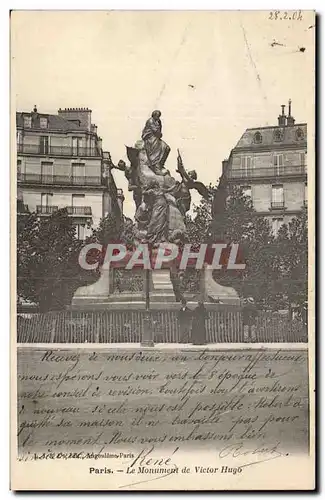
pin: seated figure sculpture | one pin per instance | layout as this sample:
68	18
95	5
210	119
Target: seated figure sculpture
157	150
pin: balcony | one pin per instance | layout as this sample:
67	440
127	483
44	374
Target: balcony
79	211
270	172
48	210
277	205
37	149
59	179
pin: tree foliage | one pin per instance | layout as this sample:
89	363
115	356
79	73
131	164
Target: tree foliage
48	270
275	272
292	255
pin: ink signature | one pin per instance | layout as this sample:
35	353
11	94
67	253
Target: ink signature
146	459
267	452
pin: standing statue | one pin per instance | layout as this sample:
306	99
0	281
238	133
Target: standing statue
157	150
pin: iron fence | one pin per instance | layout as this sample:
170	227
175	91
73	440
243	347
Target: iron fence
224	324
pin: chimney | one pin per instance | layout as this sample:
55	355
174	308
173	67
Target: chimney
224	166
34	115
282	118
290	119
83	115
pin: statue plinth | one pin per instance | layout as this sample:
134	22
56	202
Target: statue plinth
100	295
161	281
214	292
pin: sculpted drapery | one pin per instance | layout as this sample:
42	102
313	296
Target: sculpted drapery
157	150
161	200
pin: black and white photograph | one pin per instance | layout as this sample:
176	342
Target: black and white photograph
163	221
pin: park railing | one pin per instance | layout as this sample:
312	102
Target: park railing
224	324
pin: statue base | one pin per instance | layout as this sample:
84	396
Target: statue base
160	286
213	292
99	296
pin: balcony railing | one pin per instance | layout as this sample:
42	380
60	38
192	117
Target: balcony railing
251	173
277	204
37	149
79	210
46	209
82	180
50	209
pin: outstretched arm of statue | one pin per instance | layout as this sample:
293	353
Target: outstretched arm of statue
120	166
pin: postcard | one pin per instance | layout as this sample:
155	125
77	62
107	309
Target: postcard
163	249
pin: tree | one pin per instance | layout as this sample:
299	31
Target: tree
47	260
112	230
292	254
198	224
239	223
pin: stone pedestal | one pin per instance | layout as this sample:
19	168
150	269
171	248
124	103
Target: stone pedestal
213	292
99	295
97	292
161	281
161	287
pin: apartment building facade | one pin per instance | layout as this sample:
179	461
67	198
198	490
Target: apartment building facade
270	165
60	163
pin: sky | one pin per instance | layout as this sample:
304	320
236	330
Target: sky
212	75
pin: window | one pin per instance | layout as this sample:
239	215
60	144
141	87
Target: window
47	171
78	173
80	231
300	134
18	167
276	224
247	191
278	163
306	195
44	144
277	196
78	200
19	137
43	122
76	145
258	138
78	203
278	135
246	164
46	199
303	159
27	121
